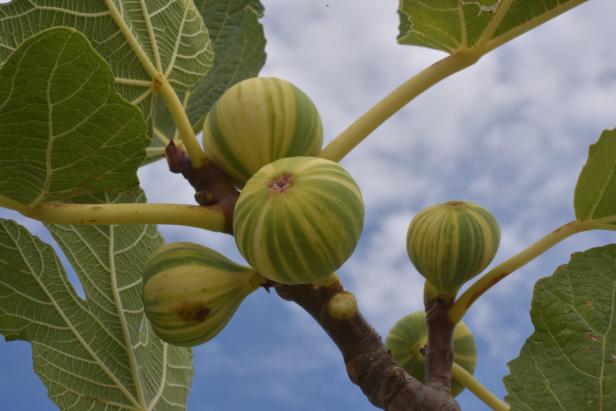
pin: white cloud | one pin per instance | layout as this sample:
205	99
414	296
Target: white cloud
510	133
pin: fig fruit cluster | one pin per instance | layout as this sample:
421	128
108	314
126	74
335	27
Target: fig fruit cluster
298	217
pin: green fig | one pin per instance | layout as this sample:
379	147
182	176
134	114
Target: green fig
190	292
451	243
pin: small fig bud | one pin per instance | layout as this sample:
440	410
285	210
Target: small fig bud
260	120
451	243
190	292
342	306
409	336
298	219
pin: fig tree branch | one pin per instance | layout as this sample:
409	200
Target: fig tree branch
438	354
212	185
368	362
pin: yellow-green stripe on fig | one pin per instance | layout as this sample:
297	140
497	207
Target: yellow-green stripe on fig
409	336
191	292
451	243
260	120
298	219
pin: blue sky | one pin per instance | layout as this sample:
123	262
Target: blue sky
510	133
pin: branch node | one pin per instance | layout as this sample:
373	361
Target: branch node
213	188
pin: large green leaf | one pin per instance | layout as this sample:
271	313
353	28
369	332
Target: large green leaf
452	24
569	363
168	36
595	193
239	46
64	131
97	353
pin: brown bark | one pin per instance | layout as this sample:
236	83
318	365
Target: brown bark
368	362
439	352
213	188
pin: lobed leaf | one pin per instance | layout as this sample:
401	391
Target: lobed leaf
449	25
134	36
239	47
595	192
64	130
97	353
569	363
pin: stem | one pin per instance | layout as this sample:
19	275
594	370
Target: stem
460	59
368	362
466	379
438	353
161	84
184	128
154	152
213	188
209	218
185	102
394	101
505	268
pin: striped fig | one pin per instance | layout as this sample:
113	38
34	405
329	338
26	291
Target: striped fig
257	121
298	219
451	243
190	292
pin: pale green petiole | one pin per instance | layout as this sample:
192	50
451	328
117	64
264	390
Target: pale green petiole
466	379
493	276
161	85
207	218
464	57
394	101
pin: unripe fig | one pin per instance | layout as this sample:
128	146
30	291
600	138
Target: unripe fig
298	219
257	121
409	336
190	292
451	243
342	305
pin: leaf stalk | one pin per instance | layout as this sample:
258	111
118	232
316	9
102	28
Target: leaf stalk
496	274
209	218
162	85
469	381
338	148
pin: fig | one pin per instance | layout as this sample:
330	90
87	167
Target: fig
257	121
190	292
298	219
450	243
